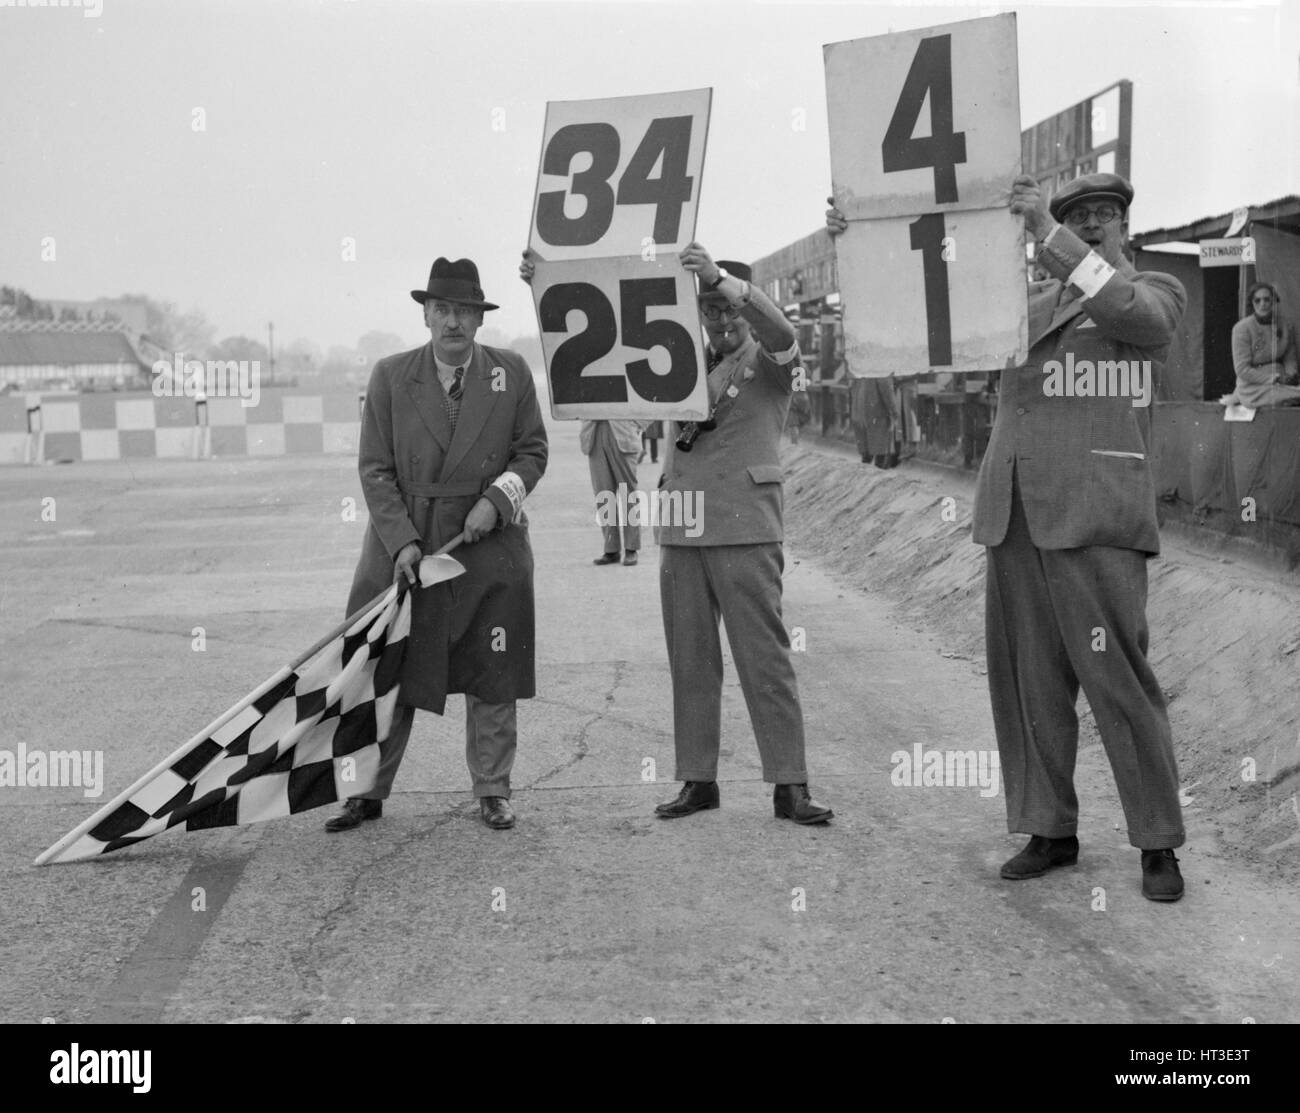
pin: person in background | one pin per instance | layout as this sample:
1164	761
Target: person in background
1264	353
611	448
650	440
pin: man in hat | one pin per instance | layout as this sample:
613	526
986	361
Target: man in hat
1066	505
726	562
729	563
452	441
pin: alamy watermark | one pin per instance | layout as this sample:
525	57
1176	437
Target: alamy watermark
215	378
924	768
83	769
90	9
684	509
1104	378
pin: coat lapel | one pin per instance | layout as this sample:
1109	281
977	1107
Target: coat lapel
475	407
427	394
1049	311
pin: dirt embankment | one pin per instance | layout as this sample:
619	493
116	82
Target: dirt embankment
1225	635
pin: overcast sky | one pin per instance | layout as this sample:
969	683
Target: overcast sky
415	128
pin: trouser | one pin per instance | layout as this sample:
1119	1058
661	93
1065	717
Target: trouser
609	469
742	585
1055	620
490	738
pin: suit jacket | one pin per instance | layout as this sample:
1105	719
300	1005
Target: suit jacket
420	481
627	435
733	472
1082	463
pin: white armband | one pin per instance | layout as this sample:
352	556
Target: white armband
1091	275
513	488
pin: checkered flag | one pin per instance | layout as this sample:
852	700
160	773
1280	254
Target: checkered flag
308	736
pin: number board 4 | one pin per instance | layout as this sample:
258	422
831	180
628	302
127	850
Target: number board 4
939	292
923	120
620	176
621	338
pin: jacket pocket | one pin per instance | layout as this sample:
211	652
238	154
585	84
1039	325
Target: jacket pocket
765	473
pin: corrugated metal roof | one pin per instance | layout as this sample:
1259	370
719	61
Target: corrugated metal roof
39	349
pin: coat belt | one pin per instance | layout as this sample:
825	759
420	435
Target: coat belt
439	490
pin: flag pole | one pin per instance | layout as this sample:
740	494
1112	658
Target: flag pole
225	717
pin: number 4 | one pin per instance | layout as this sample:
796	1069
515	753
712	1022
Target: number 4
943	148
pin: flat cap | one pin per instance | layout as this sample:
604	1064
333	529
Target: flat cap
1088	187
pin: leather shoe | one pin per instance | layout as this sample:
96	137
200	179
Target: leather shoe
355	812
629	558
1040	855
794	802
496	812
1161	878
695	796
608	558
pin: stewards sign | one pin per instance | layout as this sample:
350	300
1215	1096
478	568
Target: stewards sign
925	141
618	188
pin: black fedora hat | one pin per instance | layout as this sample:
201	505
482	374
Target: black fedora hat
736	270
456	282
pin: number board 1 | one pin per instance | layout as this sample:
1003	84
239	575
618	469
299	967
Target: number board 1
621	338
619	175
938	292
924	120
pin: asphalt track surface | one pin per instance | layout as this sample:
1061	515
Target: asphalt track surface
591	909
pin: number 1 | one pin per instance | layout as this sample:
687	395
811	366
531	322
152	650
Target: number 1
927	238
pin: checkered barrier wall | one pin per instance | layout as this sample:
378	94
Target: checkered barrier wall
133	426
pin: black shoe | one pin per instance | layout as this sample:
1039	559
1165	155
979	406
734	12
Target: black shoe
695	796
793	802
608	558
355	812
495	812
1040	855
1161	878
629	558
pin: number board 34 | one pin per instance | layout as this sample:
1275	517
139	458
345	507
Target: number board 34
620	176
924	120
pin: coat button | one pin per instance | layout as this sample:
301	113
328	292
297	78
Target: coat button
1020	411
415	459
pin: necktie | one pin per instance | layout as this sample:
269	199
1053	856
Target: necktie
452	401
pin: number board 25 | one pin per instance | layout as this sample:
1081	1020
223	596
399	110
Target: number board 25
923	120
620	176
621	338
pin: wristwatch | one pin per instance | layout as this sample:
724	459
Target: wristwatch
717	281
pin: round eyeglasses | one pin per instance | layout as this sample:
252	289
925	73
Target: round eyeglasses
714	312
1078	217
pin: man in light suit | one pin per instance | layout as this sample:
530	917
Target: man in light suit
452	441
729	565
612	448
1066	505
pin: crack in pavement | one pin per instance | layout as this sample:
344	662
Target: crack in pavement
620	668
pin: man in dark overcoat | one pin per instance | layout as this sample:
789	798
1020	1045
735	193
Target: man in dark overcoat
452	441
